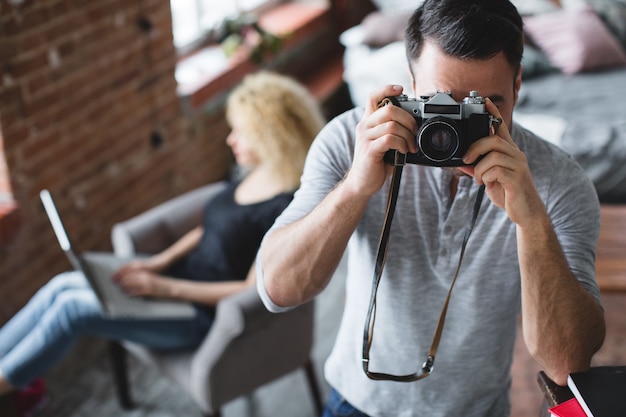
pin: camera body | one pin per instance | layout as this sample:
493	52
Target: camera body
447	128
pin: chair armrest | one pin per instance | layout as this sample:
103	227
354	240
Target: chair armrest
249	346
157	228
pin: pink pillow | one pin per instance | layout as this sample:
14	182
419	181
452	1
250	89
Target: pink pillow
575	40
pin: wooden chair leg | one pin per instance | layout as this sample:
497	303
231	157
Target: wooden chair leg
117	353
314	386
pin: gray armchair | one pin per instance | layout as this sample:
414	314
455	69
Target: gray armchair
246	347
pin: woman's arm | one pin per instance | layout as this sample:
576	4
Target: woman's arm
144	283
162	260
180	248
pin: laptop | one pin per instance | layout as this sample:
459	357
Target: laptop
99	267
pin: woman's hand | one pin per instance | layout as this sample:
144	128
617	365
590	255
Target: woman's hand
140	278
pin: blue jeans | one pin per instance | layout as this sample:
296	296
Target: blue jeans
40	334
337	406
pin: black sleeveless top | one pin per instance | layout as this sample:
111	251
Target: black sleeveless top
231	237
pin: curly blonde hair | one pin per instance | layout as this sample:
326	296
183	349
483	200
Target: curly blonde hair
281	116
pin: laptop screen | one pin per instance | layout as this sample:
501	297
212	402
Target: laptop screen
57	226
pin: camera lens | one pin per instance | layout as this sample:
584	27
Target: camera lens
438	139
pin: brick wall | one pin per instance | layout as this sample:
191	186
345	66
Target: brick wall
88	109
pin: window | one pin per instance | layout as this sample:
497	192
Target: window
192	20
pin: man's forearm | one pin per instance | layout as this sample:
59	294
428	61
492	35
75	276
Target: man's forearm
563	324
299	259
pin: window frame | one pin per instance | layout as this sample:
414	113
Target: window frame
206	36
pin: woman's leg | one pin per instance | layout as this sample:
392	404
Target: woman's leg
50	320
76	312
21	324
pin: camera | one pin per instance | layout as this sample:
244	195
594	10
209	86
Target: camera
447	128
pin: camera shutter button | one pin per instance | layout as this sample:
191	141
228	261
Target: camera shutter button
473	98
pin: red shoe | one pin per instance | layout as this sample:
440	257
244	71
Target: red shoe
32	399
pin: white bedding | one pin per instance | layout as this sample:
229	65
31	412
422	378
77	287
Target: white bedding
585	114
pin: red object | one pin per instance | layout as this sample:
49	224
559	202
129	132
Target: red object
570	408
30	400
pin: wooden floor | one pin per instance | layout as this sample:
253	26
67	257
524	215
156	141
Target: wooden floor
81	386
611	252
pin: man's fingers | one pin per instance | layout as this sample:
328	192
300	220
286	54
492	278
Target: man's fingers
377	96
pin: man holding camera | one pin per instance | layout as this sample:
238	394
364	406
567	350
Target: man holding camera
531	249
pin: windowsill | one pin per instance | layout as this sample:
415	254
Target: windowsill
208	73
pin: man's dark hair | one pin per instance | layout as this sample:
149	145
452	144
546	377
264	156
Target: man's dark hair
464	29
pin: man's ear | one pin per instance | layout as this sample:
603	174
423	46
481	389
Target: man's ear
517	85
408	69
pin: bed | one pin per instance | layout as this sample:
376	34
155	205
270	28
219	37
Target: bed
574	81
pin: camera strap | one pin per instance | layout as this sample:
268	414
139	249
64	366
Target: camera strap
368	331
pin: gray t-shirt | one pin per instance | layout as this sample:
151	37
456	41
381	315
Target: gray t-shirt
471	376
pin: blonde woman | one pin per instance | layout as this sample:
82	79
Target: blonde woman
273	121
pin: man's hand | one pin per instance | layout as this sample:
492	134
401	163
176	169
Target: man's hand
505	172
380	129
